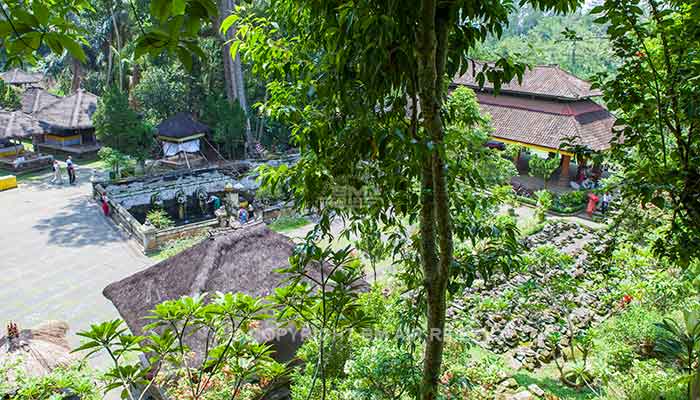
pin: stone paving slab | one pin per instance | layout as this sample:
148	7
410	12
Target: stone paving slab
57	253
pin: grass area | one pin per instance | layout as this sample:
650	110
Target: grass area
175	247
548	381
287	223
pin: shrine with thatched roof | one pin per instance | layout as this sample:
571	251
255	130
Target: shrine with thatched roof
550	108
180	137
14	127
67	124
21	78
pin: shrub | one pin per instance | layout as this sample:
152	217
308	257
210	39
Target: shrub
382	370
544	203
646	380
77	380
635	326
159	219
571	200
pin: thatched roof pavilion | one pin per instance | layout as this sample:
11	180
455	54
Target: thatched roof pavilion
181	127
69	114
34	99
16	124
18	77
243	261
39	350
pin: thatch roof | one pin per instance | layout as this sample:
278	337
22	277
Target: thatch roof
18	77
34	99
69	113
548	124
16	124
38	350
241	261
541	81
181	125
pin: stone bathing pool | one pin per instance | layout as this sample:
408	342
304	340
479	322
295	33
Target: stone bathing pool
182	195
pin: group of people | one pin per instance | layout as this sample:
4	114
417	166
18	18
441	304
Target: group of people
593	203
245	214
58	176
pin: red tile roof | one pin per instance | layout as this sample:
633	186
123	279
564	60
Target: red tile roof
548	123
542	81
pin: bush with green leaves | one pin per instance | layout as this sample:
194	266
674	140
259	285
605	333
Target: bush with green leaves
114	160
119	127
645	380
230	364
543	167
77	379
160	219
10	98
571	200
544	203
162	92
634	326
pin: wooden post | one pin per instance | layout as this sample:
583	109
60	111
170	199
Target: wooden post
564	170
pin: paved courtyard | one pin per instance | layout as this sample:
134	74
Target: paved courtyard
57	254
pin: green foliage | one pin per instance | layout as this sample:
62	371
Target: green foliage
159	219
635	326
113	159
544	203
77	379
229	352
324	302
162	92
381	370
228	120
117	126
537	38
286	223
10	98
682	341
646	380
543	167
571	200
27	26
654	97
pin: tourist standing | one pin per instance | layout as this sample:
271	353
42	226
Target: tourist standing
215	201
243	215
71	170
57	178
607	198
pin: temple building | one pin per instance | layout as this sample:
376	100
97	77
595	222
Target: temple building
20	78
16	126
547	110
180	137
67	125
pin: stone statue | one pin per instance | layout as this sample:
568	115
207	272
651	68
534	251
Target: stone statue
181	199
156	201
202	195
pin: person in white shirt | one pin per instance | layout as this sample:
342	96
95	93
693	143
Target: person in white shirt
607	198
71	170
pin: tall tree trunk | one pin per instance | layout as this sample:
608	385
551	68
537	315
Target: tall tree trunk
135	79
77	70
432	48
233	74
120	66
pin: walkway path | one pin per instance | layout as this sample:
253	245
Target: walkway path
57	253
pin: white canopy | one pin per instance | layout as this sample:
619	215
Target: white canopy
171	148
